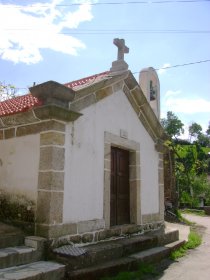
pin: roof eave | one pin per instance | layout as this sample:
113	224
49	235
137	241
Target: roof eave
39	114
143	109
106	82
52	89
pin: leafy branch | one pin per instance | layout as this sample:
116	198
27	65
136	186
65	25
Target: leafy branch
7	91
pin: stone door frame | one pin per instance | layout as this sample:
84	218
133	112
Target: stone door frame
112	140
120	188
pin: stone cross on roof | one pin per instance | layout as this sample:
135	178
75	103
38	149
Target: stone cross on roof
120	65
122	48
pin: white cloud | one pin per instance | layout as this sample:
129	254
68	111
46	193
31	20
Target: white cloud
25	30
172	93
163	69
187	106
72	20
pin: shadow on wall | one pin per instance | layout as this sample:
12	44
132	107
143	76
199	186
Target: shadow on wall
18	211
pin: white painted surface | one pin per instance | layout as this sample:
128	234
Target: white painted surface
145	76
84	160
19	163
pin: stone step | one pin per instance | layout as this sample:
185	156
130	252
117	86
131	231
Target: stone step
80	257
18	255
175	245
12	239
32	251
10	236
169	237
128	263
110	250
42	270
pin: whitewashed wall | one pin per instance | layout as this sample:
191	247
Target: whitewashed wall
19	163
84	161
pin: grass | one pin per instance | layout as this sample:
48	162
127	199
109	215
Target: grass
194	211
182	219
194	240
143	269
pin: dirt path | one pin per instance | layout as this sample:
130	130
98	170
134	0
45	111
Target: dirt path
196	265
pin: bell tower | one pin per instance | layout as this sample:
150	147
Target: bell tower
150	85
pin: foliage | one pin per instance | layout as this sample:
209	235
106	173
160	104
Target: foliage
191	163
172	125
181	252
194	240
7	91
194	211
144	269
192	181
186	199
206	150
182	219
185	145
190	170
208	130
203	140
207	196
181	141
195	130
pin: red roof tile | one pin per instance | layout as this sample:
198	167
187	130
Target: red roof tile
18	104
26	102
87	80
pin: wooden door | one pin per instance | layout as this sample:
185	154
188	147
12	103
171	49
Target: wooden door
120	191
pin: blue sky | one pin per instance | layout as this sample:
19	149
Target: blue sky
55	40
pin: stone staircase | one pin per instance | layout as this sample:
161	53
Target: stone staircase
92	262
23	257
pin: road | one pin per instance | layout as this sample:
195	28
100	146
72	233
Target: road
196	264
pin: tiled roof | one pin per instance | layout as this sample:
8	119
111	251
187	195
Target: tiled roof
18	104
26	102
87	81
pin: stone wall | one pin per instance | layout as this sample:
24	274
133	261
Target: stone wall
170	193
107	234
32	160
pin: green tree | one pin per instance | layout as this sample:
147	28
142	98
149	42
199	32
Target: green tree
191	174
208	130
195	130
203	140
190	161
172	125
7	91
